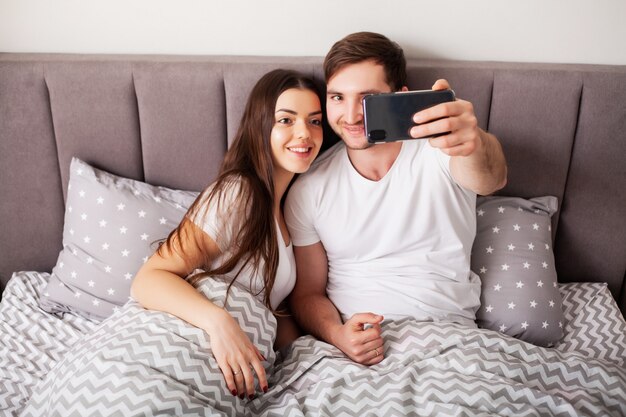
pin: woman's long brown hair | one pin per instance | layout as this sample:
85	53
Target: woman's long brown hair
247	165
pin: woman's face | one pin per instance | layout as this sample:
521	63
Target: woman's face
297	133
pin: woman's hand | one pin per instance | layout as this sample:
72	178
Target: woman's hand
236	356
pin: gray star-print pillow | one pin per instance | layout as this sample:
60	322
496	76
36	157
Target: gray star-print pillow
111	224
513	256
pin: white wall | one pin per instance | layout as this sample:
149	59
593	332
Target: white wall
574	31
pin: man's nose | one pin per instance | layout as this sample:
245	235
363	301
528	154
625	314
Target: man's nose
354	112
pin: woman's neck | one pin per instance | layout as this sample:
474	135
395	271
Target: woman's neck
282	179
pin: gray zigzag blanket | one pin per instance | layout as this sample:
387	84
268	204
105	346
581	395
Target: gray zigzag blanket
147	363
444	370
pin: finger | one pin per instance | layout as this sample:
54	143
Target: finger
372	334
260	373
445	142
441	84
373	344
370	344
374	360
464	149
229	378
360	319
240	380
260	355
461	149
377	327
371	353
239	376
248	376
459	143
378	351
372	356
463	109
439	111
362	343
437	127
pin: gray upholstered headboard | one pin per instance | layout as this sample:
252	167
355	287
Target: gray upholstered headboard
167	119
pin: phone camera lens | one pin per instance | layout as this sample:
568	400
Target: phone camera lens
377	135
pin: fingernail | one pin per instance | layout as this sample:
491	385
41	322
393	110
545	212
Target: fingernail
241	396
265	388
251	396
234	392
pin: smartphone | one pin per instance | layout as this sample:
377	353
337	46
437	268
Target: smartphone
388	117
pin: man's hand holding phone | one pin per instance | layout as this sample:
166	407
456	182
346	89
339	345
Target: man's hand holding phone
455	117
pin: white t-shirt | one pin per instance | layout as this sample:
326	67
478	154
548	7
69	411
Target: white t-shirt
222	223
399	246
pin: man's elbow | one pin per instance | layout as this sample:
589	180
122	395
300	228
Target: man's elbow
489	187
501	179
499	184
502	183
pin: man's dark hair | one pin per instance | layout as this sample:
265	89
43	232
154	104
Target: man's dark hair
364	46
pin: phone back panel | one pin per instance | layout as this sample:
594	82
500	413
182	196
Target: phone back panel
388	117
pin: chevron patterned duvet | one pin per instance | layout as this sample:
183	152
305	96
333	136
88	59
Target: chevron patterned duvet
148	363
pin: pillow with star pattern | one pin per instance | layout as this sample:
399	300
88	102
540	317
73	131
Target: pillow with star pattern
512	254
110	226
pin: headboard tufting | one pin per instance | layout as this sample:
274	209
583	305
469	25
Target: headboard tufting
167	120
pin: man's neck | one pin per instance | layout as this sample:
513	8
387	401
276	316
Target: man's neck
374	162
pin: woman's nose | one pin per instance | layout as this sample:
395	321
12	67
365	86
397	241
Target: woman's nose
302	130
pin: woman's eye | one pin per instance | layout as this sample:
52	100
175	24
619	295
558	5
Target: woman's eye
284	121
316	122
336	98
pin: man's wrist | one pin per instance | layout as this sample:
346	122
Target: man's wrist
482	145
333	333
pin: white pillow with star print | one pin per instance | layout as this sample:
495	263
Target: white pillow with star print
110	226
513	256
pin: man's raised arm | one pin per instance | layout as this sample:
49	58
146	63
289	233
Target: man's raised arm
477	161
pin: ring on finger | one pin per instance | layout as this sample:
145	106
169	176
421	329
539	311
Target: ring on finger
237	372
376	351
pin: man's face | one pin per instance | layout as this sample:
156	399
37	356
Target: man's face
345	90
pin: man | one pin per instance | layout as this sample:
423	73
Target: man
385	231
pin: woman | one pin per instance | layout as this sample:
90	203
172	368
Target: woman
235	229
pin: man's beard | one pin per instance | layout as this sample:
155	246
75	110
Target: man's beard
347	139
366	145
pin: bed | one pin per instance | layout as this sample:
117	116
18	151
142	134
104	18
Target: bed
91	146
